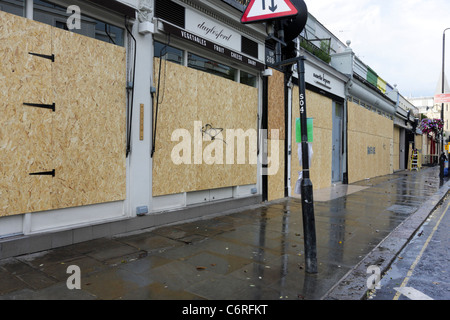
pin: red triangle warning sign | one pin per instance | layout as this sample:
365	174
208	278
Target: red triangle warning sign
263	10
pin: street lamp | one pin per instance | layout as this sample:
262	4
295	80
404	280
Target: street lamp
442	108
443	71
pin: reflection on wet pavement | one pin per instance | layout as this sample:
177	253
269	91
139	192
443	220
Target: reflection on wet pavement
254	254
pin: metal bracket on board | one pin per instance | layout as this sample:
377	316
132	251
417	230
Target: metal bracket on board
38	105
49	57
47	173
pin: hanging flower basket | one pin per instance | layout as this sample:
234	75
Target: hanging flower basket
430	126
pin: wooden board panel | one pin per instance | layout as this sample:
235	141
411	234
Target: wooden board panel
177	111
319	108
276	114
243	119
367	129
83	140
89	126
25	132
191	100
276	179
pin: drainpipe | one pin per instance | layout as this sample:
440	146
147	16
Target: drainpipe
347	87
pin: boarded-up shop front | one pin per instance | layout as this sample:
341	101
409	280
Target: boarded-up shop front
370	133
207	100
63	112
325	97
62	132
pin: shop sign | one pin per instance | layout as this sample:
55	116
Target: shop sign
442	98
216	47
323	80
212	30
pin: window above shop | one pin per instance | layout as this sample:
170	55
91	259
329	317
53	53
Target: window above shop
57	16
169	53
16	7
210	66
176	55
248	79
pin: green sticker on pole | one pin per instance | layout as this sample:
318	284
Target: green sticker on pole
298	130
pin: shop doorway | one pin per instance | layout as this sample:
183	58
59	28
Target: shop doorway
336	165
403	153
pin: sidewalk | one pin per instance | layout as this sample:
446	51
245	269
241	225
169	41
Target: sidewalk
255	253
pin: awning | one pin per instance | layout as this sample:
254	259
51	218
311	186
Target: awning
360	91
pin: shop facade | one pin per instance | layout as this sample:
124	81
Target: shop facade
370	119
126	115
146	113
208	97
326	107
64	116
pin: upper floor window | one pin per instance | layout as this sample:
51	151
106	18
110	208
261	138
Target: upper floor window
57	16
175	55
210	66
248	79
16	7
169	53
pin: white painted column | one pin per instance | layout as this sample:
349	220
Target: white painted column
29	9
139	160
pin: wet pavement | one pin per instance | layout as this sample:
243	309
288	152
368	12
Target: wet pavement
256	253
421	270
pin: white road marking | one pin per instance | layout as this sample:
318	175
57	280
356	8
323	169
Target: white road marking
412	293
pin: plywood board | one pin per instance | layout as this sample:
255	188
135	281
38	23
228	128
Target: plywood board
25	132
275	182
366	130
83	140
176	114
189	101
319	108
244	111
89	126
276	104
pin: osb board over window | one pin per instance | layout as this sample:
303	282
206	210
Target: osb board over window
25	132
275	170
276	109
367	129
83	140
189	101
276	122
89	125
319	108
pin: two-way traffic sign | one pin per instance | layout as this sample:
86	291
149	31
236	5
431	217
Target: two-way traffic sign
264	10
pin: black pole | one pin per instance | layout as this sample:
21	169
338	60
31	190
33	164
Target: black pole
443	88
442	157
309	228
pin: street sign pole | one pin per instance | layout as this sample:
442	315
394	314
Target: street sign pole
265	11
309	224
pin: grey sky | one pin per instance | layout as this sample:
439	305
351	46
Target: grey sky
400	39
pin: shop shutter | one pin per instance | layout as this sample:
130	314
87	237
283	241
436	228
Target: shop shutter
249	47
170	12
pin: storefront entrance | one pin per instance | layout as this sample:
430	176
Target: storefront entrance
336	166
